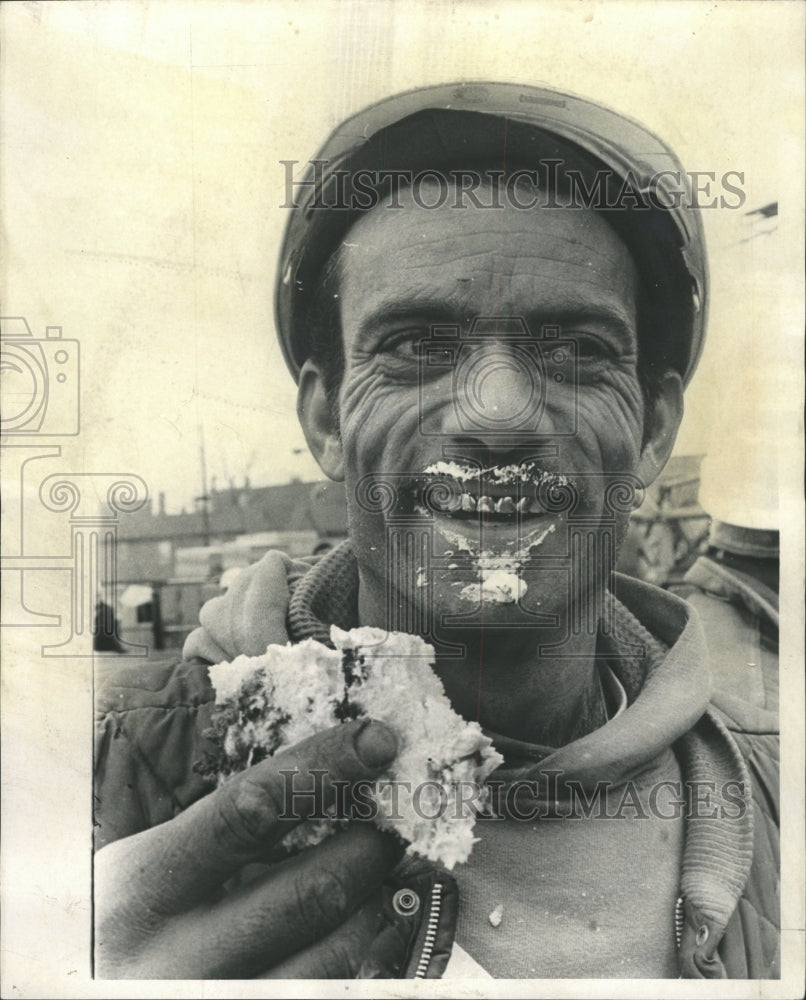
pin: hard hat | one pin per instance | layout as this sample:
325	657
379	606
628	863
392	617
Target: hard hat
461	124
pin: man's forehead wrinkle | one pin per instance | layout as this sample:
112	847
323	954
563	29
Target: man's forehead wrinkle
459	251
611	251
465	244
506	259
579	293
445	266
415	225
458	288
413	236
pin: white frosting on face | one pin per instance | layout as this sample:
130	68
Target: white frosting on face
498	474
535	538
452	469
499	575
495	586
498	572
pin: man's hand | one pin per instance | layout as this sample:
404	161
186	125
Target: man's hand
161	912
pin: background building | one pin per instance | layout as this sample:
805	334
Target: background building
295	517
170	564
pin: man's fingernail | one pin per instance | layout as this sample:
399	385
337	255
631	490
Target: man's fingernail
376	745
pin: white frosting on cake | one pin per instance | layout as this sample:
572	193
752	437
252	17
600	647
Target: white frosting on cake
434	787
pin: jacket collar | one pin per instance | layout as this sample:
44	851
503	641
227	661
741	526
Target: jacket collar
731	584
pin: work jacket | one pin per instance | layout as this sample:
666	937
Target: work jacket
151	722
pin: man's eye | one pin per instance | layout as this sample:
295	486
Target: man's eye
402	346
591	348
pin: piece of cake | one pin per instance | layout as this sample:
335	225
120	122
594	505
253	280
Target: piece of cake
432	791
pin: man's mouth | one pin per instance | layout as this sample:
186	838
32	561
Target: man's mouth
496	493
489	521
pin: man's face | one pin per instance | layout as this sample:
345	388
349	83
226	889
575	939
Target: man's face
425	444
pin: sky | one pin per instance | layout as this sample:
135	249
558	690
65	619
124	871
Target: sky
142	187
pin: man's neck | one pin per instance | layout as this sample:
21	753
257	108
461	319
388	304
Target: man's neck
512	688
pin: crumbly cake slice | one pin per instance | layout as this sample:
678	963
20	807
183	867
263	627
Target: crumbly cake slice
435	786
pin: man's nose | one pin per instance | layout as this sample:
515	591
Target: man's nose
497	392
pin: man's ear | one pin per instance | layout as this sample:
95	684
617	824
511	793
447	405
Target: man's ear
659	436
318	422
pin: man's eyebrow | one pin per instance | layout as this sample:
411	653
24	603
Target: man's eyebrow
617	320
430	312
440	313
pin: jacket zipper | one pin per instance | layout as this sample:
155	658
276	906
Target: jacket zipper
679	920
430	931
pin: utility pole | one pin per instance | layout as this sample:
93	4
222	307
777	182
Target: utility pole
204	499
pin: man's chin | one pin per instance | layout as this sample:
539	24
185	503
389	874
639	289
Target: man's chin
495	597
